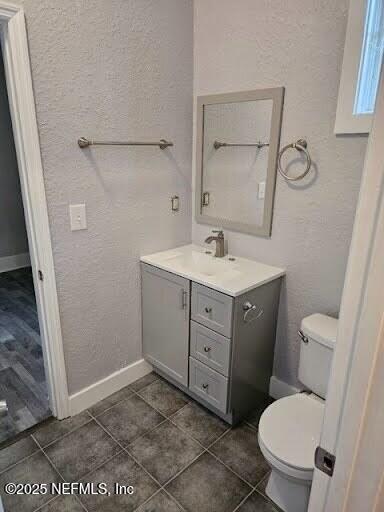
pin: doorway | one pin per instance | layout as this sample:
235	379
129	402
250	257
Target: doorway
28	285
23	383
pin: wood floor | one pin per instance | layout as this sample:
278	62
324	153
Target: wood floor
22	376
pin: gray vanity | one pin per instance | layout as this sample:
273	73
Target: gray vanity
209	326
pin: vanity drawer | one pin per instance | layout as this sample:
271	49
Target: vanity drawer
212	309
208	384
210	348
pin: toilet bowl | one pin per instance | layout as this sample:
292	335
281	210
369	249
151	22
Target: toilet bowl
289	429
289	432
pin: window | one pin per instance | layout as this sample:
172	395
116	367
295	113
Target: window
363	55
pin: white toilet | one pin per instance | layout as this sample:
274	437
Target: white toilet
289	429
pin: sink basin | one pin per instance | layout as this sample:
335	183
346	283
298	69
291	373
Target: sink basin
202	263
230	275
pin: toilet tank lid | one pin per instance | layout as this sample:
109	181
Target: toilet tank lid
321	328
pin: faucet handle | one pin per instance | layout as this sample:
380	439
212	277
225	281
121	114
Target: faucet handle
219	232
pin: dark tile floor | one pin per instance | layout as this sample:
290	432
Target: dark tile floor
176	455
22	376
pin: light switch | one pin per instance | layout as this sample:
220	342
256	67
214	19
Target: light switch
261	191
77	217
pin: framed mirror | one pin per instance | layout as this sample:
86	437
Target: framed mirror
237	143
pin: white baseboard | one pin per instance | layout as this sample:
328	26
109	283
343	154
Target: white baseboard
279	389
99	390
14	262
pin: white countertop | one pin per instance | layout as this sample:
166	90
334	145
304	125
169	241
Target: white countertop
230	277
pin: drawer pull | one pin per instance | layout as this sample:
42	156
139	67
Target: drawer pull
205	386
207	349
208	309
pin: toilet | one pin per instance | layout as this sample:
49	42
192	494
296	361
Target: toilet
289	429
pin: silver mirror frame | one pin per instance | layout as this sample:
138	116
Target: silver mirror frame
276	94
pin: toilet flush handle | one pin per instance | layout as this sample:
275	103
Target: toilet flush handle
303	337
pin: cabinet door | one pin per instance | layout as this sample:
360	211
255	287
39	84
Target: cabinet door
165	316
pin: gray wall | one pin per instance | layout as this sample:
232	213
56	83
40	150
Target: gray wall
299	45
115	69
13	236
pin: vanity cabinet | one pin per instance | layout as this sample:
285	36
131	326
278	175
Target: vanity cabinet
165	312
216	347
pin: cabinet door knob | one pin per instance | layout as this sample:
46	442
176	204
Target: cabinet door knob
208	309
207	349
205	386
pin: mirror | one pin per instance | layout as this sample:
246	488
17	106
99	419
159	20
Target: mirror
237	143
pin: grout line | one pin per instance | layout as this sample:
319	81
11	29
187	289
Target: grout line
253	427
177	412
205	449
230	469
161	486
162	412
183	469
173	499
126	450
133	440
111	407
243	501
275	507
64	435
100	465
147	500
219	438
21	460
46	503
58	472
128	453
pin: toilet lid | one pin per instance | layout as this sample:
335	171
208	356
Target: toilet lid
290	429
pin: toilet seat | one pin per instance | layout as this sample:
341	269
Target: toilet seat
289	432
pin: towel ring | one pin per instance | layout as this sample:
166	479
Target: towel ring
300	145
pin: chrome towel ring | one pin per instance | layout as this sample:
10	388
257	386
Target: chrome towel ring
300	145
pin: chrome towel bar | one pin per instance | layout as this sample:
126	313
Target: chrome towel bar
83	142
218	145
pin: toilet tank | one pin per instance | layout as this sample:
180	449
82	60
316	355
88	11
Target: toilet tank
318	338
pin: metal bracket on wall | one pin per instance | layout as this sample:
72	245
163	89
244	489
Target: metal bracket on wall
324	461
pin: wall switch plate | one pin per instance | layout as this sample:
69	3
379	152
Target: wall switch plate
261	190
175	203
77	217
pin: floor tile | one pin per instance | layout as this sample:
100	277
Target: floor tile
262	485
58	428
165	451
200	423
82	451
130	419
164	397
63	504
111	400
257	503
239	449
160	503
208	486
17	451
125	471
144	381
34	469
254	417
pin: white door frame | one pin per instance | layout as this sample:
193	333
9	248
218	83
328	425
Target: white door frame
22	106
354	412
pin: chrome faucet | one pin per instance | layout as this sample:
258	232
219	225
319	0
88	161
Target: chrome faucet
220	244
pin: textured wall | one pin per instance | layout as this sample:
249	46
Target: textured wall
115	69
13	236
299	45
